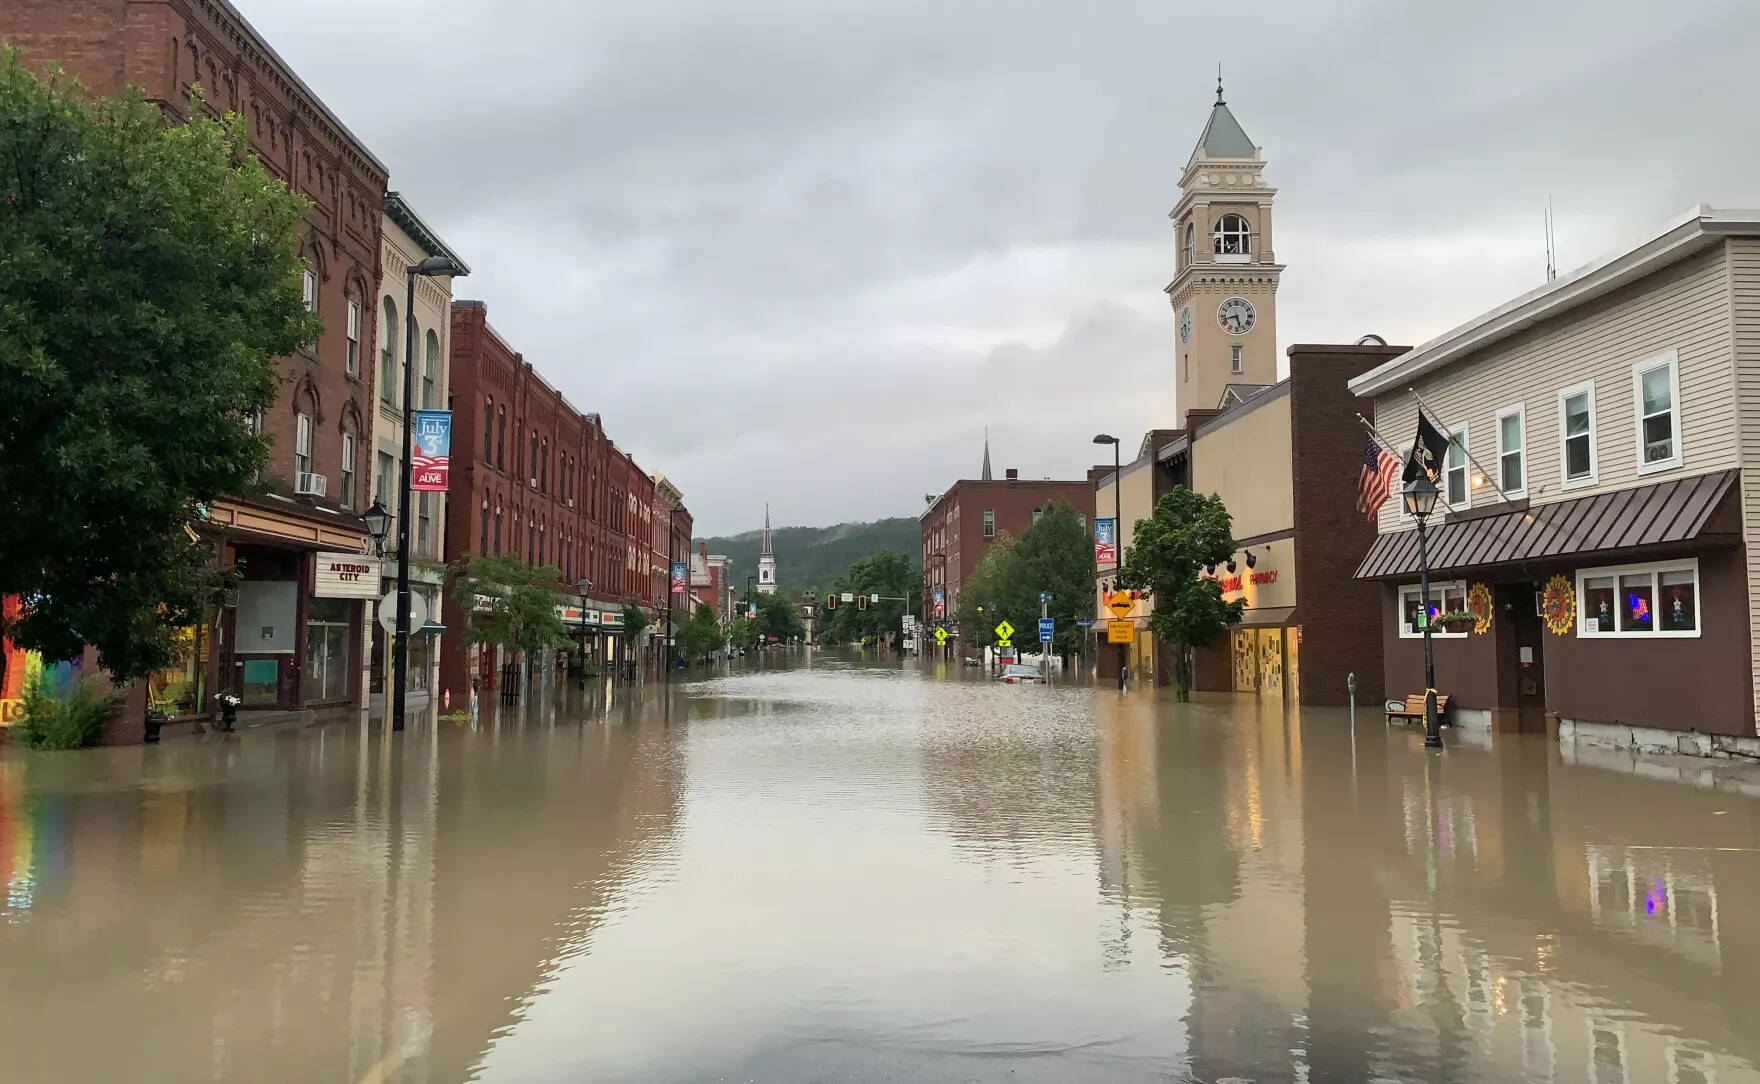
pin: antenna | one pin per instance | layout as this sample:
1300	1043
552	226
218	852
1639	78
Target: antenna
1551	244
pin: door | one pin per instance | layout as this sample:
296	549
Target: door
1529	634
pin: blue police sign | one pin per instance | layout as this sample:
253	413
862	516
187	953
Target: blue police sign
1046	627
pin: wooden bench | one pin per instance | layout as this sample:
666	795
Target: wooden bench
1413	709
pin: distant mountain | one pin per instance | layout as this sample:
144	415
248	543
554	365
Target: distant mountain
816	556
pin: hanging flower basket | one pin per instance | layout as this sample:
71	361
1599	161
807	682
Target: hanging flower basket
1456	621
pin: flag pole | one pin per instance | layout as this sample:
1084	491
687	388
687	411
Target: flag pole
1386	446
1490	479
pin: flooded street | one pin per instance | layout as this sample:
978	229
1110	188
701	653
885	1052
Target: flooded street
838	871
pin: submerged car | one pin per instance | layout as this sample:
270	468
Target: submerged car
1021	674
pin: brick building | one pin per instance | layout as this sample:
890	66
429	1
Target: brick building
534	477
959	526
671	534
292	638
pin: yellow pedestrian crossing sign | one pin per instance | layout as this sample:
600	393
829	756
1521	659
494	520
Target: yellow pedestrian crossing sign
941	636
1004	631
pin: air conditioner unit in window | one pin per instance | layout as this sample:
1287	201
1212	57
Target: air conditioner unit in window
306	484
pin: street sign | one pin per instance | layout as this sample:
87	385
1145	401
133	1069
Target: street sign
1085	624
941	636
430	461
1120	632
1004	631
849	596
1044	597
1046	627
1120	603
874	599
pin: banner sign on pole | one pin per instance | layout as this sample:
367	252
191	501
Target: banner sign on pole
431	461
1105	542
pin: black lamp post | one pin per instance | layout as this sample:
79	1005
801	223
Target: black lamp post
749	597
585	587
433	265
929	601
671	519
1117	529
1420	500
378	525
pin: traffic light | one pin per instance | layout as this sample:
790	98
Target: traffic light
831	601
861	602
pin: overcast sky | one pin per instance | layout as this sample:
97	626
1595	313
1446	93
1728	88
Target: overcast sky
804	251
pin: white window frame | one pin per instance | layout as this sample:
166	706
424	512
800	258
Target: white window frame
1588	628
1236	363
1587	389
1514	410
308	288
1437	594
989	525
302	442
1463	431
346	470
352	364
1242	236
1671	359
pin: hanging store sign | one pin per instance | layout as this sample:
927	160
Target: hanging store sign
346	575
1105	542
431	462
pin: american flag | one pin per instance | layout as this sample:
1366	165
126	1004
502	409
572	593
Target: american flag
1380	468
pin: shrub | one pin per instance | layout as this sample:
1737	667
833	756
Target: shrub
75	722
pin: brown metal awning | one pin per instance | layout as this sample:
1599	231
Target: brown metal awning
1673	511
1267	617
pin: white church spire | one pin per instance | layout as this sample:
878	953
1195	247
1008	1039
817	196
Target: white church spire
767	560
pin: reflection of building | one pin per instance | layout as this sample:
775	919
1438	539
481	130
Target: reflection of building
1139	483
1609	407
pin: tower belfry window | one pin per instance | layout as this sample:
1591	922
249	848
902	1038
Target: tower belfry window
1232	236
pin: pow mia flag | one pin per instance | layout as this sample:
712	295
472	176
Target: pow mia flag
1429	453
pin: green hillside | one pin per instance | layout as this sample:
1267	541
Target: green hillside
815	556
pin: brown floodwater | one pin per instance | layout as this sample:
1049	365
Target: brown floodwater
830	871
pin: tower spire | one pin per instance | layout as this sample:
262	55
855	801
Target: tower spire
985	475
1219	100
768	552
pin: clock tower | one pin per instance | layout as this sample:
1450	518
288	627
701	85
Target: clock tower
1224	291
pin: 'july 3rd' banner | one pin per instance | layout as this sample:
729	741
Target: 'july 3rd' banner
431	461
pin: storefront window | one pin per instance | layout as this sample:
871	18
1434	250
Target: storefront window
1660	599
327	636
181	689
1444	598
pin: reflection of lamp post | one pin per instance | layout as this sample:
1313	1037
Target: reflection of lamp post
929	602
584	586
1420	500
1117	528
432	266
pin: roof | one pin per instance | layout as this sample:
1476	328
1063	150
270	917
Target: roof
1241	392
1698	229
397	209
1673	511
1223	135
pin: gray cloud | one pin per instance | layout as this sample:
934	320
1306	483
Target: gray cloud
805	252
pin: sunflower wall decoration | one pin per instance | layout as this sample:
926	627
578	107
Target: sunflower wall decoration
1479	605
1558	605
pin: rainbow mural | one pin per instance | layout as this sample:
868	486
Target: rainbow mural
18	667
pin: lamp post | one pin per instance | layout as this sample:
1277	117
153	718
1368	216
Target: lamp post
1419	497
666	652
1117	531
433	265
929	602
585	587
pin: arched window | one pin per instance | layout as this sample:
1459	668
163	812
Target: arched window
1191	245
1232	236
483	539
352	362
497	528
531	541
345	494
532	460
431	371
388	355
500	443
488	429
544	467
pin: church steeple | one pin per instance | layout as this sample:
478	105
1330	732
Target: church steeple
767	560
985	475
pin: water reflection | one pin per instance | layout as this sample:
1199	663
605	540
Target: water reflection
851	871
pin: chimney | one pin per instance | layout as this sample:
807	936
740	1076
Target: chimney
703	549
1011	475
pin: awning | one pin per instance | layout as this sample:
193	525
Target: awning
1266	617
1677	510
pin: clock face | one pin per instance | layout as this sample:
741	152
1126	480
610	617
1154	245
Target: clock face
1236	316
1185	325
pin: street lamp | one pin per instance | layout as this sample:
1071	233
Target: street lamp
378	524
433	265
1419	496
585	587
929	591
1117	524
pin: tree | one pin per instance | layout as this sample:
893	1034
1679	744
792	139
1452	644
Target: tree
635	619
982	599
884	573
701	636
1056	556
777	617
521	614
150	278
1188	531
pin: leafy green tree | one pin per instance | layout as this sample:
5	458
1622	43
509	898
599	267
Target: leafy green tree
521	613
778	617
148	277
635	618
1188	531
740	632
983	599
888	574
701	635
1055	555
